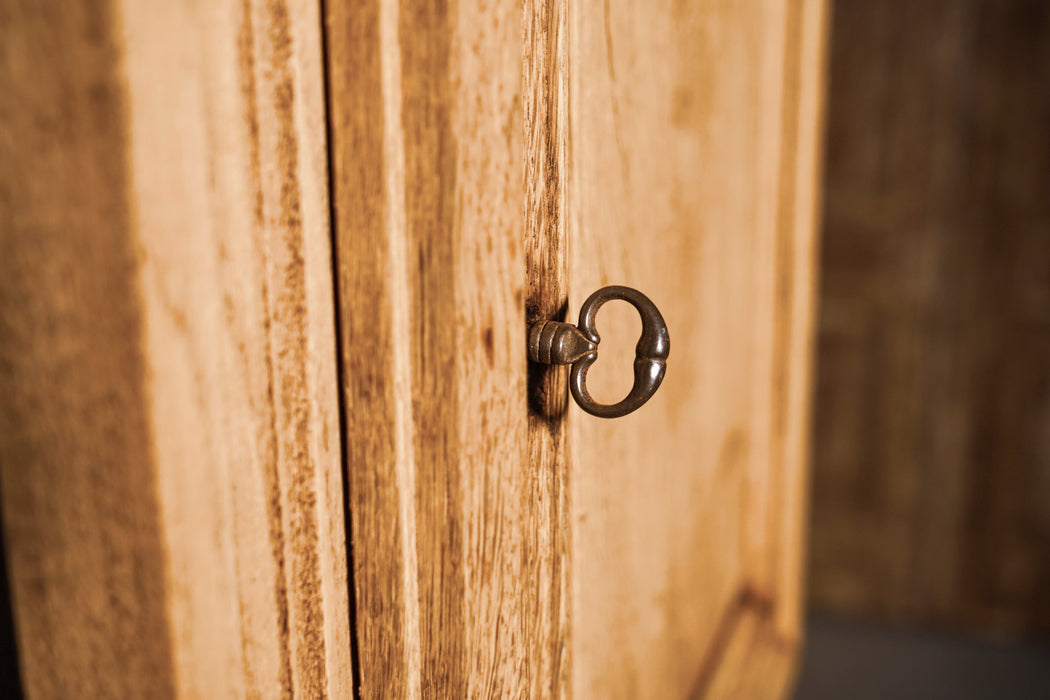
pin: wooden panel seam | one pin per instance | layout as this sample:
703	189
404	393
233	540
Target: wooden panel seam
545	127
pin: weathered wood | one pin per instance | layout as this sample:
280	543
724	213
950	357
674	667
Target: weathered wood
448	534
692	145
674	517
169	447
545	123
369	245
484	156
932	467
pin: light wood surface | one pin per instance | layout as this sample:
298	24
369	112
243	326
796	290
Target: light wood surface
545	123
169	444
692	143
671	148
452	531
174	509
932	460
753	660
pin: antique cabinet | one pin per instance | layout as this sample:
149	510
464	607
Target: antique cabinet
267	423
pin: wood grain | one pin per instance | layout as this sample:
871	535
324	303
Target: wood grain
932	469
448	535
369	244
483	155
545	125
463	486
692	143
170	464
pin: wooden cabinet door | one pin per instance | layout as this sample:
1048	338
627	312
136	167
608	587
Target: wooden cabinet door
169	422
493	165
267	423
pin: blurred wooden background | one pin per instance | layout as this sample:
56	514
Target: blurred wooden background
932	427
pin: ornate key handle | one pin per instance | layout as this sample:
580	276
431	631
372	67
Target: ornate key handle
555	343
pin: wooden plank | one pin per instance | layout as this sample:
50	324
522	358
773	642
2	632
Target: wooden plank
932	471
366	163
448	534
692	147
170	459
545	122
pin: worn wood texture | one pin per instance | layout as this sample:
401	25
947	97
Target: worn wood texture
452	529
454	230
169	436
692	147
545	124
932	460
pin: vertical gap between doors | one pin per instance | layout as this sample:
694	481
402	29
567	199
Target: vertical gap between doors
355	658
